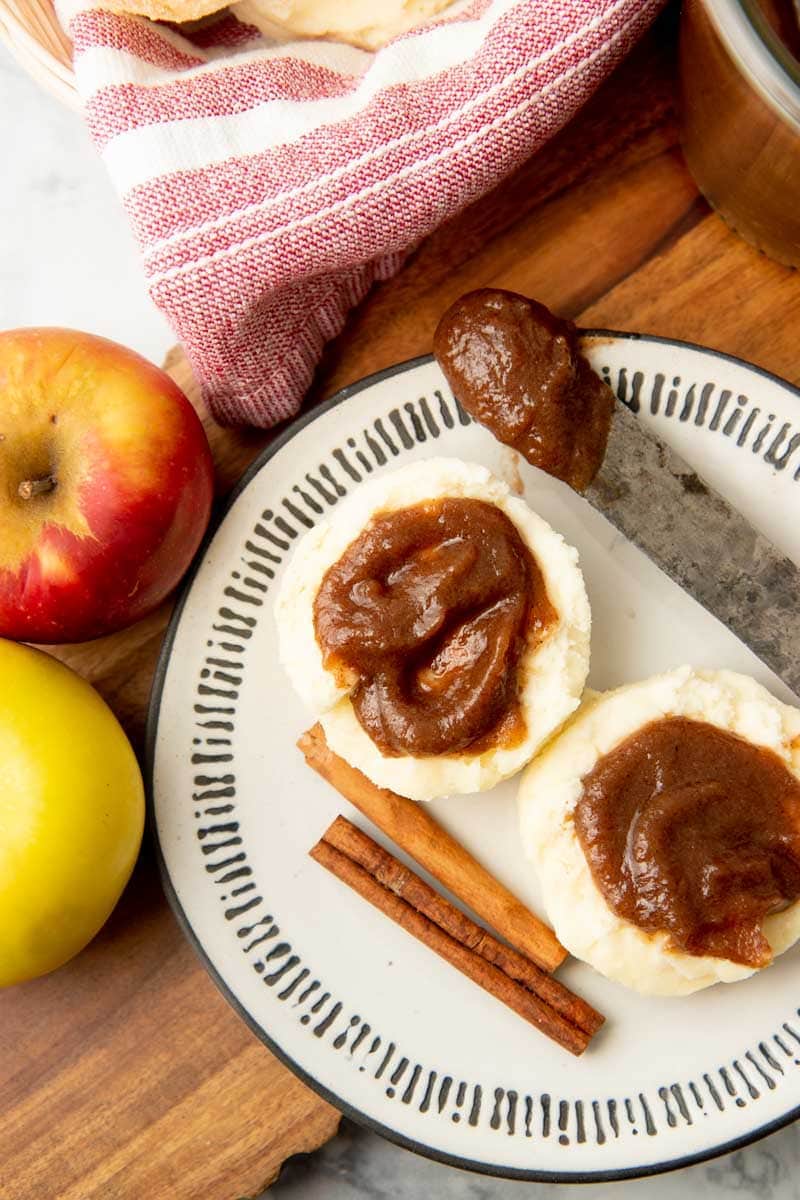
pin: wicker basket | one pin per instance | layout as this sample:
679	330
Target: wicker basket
31	30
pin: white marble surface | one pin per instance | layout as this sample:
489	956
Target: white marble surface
358	1165
67	257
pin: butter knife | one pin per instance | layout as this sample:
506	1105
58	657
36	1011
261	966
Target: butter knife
660	503
517	367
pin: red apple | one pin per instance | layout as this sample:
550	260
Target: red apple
106	485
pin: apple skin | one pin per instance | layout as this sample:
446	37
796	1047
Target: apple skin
71	812
127	485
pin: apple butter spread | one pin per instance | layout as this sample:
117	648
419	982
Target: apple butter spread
431	608
695	831
517	369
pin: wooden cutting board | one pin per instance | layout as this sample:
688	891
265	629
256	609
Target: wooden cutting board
126	1076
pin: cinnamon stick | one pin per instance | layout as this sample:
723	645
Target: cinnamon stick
392	874
412	827
389	886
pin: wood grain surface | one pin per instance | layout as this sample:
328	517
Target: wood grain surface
125	1075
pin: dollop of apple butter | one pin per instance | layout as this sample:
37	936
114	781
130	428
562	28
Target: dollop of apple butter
693	830
518	370
431	608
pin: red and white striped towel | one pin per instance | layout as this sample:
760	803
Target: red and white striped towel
270	184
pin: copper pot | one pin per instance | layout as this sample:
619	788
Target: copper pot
740	85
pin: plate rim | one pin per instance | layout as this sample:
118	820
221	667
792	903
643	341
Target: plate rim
343	1106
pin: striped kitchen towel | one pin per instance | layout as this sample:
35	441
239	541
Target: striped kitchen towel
270	183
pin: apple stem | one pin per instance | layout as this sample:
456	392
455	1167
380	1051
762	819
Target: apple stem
35	487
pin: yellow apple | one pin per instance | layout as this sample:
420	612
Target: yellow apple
71	812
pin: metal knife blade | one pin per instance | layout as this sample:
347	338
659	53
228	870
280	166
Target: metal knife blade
505	352
700	541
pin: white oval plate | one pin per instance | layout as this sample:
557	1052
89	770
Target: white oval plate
365	1014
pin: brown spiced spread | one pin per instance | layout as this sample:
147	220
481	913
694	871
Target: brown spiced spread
431	607
517	369
692	830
